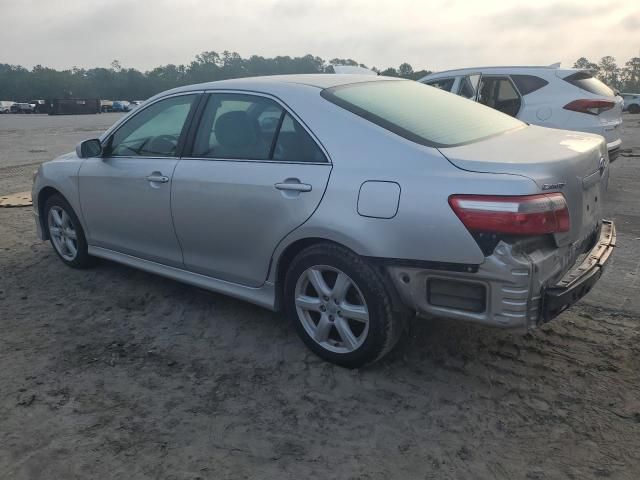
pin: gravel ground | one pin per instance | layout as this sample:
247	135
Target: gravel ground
115	373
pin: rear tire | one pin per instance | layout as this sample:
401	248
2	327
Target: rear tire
634	108
65	233
340	306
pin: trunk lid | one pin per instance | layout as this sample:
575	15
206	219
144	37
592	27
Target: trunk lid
572	163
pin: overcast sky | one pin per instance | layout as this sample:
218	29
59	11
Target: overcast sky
433	34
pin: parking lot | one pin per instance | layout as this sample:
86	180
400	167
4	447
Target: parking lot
116	373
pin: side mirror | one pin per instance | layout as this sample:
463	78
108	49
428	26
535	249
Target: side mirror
89	148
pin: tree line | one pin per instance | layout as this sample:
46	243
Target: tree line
117	82
623	78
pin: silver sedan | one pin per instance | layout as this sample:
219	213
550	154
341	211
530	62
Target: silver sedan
351	203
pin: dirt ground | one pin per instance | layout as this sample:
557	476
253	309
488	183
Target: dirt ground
113	373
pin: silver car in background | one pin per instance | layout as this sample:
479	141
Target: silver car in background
349	202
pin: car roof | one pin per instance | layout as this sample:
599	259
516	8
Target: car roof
547	69
266	83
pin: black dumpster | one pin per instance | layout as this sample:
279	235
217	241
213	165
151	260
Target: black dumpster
73	106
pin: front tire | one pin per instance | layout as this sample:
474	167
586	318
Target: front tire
634	108
66	233
340	306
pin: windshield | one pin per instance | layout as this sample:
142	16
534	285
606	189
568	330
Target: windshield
420	113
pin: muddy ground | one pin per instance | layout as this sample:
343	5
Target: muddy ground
115	373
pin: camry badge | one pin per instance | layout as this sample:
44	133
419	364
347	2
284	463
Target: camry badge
553	186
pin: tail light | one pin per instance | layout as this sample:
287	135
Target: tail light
591	107
517	215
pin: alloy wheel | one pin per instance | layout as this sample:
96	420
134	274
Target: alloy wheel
332	309
63	233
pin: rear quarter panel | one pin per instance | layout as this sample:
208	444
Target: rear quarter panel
425	227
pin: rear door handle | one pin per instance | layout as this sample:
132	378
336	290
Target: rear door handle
295	187
156	178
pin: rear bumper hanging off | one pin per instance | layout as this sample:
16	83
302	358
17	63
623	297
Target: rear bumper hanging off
578	281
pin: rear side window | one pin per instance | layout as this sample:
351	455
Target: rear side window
251	127
528	83
427	116
586	81
442	83
237	126
295	145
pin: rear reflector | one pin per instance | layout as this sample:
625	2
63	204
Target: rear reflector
517	215
591	107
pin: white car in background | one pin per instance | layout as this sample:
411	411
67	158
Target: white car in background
631	102
5	106
552	97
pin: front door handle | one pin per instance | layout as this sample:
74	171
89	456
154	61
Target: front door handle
295	187
157	178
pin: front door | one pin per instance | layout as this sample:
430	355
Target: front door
255	175
125	196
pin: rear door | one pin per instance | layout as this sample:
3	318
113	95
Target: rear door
497	91
255	173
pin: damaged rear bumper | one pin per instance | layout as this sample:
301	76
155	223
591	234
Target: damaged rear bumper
513	288
578	281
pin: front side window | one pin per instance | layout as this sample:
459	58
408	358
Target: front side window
427	116
154	132
499	93
251	127
442	83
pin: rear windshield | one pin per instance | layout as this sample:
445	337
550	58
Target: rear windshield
588	82
422	114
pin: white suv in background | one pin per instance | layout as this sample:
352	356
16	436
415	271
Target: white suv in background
553	97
